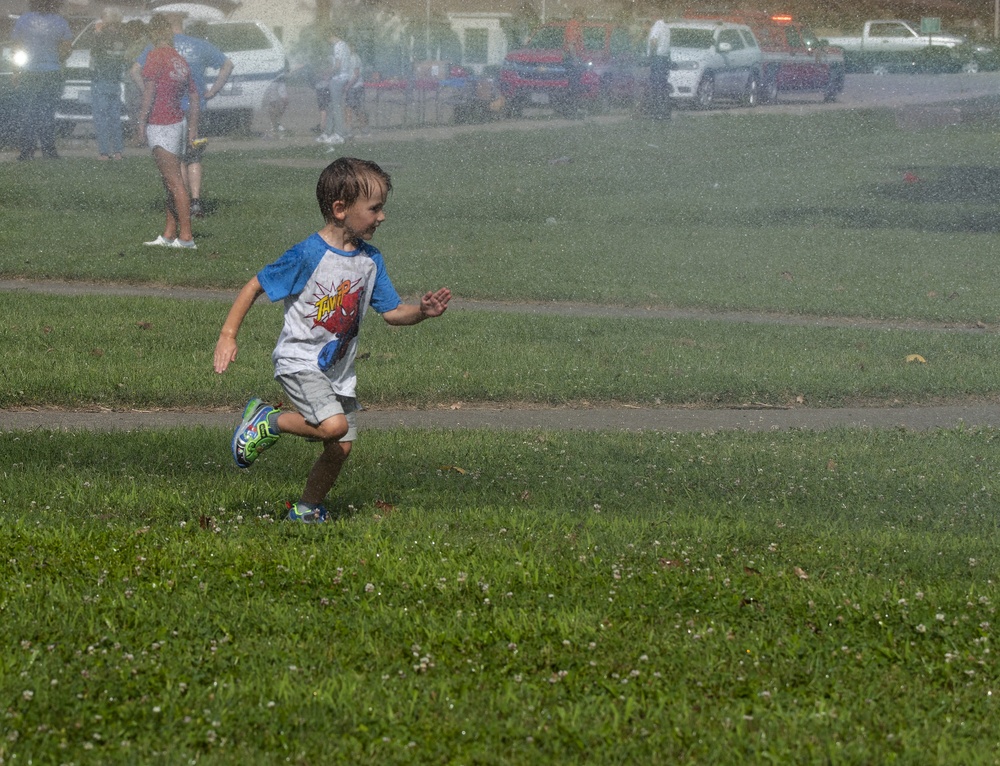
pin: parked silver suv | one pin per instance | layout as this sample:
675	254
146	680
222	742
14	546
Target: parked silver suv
714	59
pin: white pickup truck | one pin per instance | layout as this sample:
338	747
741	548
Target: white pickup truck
893	45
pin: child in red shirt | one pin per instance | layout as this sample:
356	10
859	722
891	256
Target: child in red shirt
167	79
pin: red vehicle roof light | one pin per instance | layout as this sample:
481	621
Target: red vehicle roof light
782	18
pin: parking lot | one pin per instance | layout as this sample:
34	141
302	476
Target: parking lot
918	100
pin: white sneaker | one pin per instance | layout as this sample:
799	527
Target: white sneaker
335	139
186	244
322	138
160	241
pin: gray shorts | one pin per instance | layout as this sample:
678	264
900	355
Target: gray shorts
312	394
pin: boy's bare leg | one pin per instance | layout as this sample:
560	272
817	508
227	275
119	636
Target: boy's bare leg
327	467
325	471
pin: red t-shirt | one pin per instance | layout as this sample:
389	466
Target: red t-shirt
171	78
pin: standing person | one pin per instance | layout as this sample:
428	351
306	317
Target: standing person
354	98
327	283
107	66
135	33
167	81
275	104
658	49
46	37
200	55
340	75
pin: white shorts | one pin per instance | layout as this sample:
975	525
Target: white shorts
167	137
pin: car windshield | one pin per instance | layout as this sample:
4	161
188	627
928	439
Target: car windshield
809	38
682	37
593	38
548	38
233	38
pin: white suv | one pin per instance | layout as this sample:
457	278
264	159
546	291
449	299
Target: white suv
714	59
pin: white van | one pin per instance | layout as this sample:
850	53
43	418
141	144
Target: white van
258	59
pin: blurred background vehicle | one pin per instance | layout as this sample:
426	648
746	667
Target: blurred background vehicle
793	58
895	45
714	59
258	59
569	65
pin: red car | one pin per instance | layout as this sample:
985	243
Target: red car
570	64
793	58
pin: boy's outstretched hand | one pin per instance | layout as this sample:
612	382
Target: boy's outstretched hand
225	352
433	304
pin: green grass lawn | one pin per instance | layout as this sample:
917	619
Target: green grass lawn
503	598
520	597
807	215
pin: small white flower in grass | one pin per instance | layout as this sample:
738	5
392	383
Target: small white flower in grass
27	694
939	617
921	628
369	588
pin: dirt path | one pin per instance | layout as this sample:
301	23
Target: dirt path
973	415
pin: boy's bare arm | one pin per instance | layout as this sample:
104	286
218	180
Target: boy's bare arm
226	348
432	304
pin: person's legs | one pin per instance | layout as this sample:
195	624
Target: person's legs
326	469
102	116
659	87
336	122
116	132
192	178
49	99
28	91
178	223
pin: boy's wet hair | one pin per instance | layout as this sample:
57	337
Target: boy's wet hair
347	179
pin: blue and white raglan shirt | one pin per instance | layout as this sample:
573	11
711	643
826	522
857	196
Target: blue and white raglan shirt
326	294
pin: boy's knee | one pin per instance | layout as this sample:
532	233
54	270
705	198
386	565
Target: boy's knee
333	429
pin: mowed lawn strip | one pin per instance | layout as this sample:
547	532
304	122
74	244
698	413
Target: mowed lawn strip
136	352
526	597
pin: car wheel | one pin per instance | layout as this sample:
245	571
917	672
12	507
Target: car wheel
971	67
751	96
706	91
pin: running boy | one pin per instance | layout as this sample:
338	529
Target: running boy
327	283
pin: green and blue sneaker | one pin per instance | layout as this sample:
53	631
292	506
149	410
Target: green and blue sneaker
254	434
306	513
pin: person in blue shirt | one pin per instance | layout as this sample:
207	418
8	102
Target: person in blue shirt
327	283
46	38
200	56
